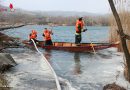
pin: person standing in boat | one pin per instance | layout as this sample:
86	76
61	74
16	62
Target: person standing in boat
33	35
79	29
47	36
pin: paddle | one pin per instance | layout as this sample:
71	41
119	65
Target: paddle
51	28
91	44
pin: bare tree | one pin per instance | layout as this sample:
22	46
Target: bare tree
123	38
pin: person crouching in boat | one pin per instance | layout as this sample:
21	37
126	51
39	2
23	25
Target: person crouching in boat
47	36
79	29
33	35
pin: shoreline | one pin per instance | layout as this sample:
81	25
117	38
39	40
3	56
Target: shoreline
11	27
5	58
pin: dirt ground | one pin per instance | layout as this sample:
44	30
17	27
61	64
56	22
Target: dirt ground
113	86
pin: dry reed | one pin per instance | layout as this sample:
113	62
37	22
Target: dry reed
122	7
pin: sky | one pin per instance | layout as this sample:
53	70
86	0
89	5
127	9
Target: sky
92	6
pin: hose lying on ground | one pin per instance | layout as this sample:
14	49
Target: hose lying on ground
56	78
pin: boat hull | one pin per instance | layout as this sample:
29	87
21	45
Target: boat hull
79	48
67	46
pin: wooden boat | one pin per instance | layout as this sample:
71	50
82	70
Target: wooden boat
68	46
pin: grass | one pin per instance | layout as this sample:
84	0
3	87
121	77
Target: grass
3	83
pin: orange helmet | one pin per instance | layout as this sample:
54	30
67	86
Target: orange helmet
45	31
34	31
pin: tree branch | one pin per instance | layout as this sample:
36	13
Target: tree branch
126	36
123	35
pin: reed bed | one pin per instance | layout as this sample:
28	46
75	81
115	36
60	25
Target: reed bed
123	9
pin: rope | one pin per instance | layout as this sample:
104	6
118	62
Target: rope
56	78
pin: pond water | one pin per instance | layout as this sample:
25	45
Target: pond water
84	71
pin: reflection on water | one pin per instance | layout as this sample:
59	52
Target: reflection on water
77	68
85	71
65	58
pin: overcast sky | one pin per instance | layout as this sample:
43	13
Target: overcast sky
92	6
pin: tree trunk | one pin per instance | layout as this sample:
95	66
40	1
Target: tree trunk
123	40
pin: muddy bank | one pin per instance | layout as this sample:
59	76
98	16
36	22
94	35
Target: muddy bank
8	42
6	60
113	86
3	83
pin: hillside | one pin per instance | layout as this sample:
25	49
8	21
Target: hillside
55	17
